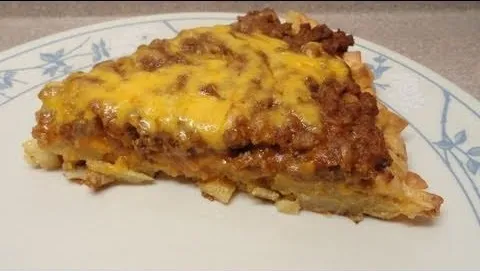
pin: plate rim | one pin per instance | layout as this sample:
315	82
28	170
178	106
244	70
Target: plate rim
438	79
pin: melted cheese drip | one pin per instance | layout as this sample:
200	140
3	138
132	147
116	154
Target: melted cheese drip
163	106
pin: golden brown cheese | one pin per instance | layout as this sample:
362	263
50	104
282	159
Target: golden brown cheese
267	66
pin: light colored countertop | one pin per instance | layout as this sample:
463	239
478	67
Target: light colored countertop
444	36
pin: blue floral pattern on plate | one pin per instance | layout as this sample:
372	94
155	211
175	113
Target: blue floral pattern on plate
462	162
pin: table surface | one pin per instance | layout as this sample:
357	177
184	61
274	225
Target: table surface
443	36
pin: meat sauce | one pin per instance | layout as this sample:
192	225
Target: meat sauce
346	138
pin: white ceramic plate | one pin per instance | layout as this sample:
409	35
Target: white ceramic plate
48	222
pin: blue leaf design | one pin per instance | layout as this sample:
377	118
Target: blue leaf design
475	151
51	71
380	70
59	54
379	59
460	137
9	74
105	52
8	77
473	166
47	57
103	46
96	52
382	86
444	144
8	82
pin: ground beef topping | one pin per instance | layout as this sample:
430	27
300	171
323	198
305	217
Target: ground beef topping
349	140
267	22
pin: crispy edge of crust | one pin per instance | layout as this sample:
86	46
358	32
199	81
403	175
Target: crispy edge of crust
390	123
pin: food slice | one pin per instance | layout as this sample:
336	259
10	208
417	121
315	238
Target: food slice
278	110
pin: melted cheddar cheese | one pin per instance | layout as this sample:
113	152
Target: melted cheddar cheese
257	68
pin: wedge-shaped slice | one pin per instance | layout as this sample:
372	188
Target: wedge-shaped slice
277	110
